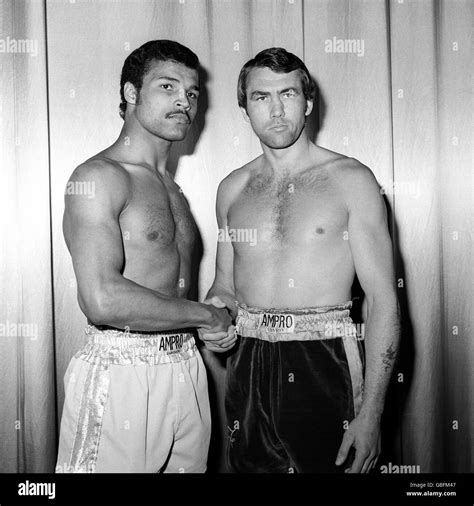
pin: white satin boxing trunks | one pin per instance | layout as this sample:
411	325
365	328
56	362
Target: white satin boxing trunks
135	402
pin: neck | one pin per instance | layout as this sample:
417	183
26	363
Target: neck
138	146
290	158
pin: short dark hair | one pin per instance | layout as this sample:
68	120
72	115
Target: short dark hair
278	60
138	63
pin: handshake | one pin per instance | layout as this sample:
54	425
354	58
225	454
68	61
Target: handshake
219	335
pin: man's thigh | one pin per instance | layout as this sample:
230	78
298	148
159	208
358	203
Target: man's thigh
105	425
315	403
252	444
193	418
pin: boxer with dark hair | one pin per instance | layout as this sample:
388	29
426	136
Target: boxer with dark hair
136	393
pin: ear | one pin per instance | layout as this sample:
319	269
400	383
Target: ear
244	114
309	107
130	93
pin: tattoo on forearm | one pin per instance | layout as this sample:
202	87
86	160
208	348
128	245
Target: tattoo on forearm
388	357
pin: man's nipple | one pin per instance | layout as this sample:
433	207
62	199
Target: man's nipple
153	236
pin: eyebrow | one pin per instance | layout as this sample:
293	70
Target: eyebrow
259	93
266	93
291	88
173	79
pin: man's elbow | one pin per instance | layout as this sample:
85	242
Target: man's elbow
98	307
383	300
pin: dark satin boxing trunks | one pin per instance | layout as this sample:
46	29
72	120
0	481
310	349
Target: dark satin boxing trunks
293	384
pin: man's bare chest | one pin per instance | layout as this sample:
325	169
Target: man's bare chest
297	210
158	216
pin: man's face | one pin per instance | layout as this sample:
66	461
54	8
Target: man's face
167	103
276	106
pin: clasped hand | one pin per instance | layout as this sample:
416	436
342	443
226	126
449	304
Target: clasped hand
218	339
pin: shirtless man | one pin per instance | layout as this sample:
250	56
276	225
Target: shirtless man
136	394
296	400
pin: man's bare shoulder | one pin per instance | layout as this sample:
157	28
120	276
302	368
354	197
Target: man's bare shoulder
107	183
107	176
101	170
324	156
234	182
359	187
353	175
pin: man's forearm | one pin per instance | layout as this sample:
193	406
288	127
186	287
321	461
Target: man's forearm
125	304
225	294
382	337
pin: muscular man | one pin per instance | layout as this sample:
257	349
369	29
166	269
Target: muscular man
296	400
136	393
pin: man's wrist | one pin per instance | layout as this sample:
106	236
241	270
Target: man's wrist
371	412
203	314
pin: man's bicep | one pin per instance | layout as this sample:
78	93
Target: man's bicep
96	246
92	232
225	252
225	264
372	255
370	242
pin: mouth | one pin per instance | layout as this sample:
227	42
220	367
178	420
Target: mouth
179	117
279	128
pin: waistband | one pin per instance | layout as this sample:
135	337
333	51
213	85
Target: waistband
305	324
117	347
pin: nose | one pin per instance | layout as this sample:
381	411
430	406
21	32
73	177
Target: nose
277	110
183	100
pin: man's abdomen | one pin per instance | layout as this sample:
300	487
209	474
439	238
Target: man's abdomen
155	269
293	279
